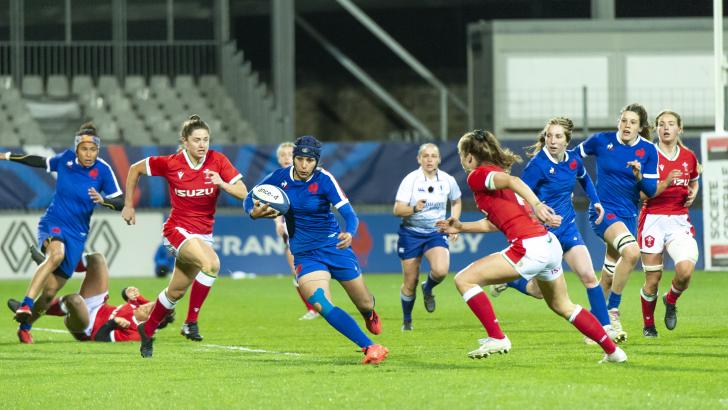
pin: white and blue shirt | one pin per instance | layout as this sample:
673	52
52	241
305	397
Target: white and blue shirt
311	223
617	187
71	206
435	191
553	181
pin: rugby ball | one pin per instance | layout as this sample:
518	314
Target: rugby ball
275	197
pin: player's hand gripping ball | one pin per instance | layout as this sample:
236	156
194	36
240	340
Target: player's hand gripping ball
275	197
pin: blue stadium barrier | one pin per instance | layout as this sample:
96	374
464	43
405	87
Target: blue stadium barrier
252	246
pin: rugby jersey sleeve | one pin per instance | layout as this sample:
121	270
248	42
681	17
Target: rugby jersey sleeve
404	192
589	147
455	192
109	184
650	176
586	182
532	174
332	190
695	171
228	173
157	166
481	178
53	162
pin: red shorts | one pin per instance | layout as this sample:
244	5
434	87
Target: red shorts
175	237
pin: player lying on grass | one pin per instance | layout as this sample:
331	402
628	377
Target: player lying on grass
86	314
81	175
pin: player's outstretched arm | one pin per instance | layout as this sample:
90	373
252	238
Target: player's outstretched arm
132	179
35	161
115	204
453	225
501	180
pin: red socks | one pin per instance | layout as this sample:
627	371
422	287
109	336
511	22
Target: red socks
200	289
159	312
483	310
591	328
648	308
673	294
55	308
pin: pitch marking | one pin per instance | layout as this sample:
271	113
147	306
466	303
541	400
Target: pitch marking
249	350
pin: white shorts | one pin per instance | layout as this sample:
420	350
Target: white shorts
176	237
538	257
655	231
93	304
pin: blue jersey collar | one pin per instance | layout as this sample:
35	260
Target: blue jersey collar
552	159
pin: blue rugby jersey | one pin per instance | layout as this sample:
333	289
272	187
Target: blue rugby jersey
553	181
311	223
71	206
618	189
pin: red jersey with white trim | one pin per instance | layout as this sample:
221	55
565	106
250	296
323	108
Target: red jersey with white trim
125	311
503	207
192	193
672	200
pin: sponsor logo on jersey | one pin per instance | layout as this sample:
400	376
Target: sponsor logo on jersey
179	174
572	164
610	146
685	166
313	188
284	184
551	171
94	173
640	152
662	167
188	193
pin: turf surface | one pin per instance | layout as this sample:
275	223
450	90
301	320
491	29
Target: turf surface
257	354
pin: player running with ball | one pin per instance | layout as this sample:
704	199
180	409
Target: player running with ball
321	248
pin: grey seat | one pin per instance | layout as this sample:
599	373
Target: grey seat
57	86
32	86
81	85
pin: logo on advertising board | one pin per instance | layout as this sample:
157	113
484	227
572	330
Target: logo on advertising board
16	241
103	239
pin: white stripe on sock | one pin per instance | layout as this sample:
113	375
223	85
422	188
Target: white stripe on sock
165	301
472	292
205	279
406	298
575	313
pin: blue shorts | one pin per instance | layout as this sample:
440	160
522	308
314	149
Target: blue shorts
568	235
340	263
73	246
610	218
413	244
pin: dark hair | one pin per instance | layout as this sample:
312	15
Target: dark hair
645	126
484	146
679	123
191	125
87	128
564	122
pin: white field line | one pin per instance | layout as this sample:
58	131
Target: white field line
249	350
49	330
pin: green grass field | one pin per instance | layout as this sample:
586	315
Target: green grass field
306	364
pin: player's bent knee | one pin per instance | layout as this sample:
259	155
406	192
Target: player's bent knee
652	268
74	302
319	298
683	249
623	242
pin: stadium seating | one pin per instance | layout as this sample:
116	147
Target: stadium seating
133	112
